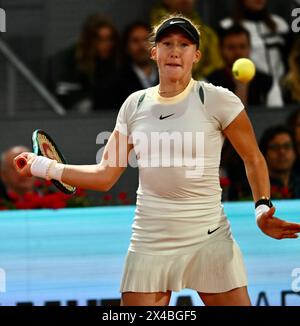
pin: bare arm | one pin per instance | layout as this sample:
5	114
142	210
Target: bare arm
240	133
104	175
100	177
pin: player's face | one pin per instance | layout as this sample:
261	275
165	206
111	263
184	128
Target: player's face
138	45
175	55
235	47
280	154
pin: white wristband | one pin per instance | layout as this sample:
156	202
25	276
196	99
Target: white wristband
259	210
55	171
43	167
40	166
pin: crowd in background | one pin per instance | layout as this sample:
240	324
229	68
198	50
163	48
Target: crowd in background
102	68
280	145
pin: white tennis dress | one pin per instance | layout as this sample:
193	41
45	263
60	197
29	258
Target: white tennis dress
181	237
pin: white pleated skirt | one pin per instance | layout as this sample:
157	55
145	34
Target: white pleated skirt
215	267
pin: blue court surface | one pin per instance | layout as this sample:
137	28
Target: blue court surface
78	255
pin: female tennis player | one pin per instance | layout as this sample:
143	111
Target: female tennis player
181	237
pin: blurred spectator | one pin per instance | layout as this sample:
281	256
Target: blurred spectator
83	75
235	44
291	83
269	39
209	45
293	122
30	193
138	70
12	181
278	147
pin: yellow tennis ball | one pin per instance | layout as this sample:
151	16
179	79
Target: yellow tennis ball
243	70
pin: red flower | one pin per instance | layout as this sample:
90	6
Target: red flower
59	195
59	204
31	196
275	192
285	192
47	183
53	201
225	182
80	192
33	200
107	197
45	197
274	188
13	196
23	205
126	202
38	183
122	195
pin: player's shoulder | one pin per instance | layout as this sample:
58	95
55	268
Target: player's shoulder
133	97
212	92
220	103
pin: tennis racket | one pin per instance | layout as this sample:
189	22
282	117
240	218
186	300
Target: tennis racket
44	145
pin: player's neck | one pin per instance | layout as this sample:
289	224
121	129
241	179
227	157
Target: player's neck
171	88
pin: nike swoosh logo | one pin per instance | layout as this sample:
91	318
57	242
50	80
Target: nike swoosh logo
210	232
165	117
177	22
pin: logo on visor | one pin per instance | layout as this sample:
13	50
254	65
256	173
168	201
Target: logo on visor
177	22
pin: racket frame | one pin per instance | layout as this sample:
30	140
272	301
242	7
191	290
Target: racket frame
36	150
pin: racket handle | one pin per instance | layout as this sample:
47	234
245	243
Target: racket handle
21	162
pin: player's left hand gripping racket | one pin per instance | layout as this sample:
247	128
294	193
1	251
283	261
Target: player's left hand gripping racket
43	144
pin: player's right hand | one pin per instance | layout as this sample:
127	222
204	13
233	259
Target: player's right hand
277	228
24	171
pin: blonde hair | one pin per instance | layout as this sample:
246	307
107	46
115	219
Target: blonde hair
156	27
292	80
